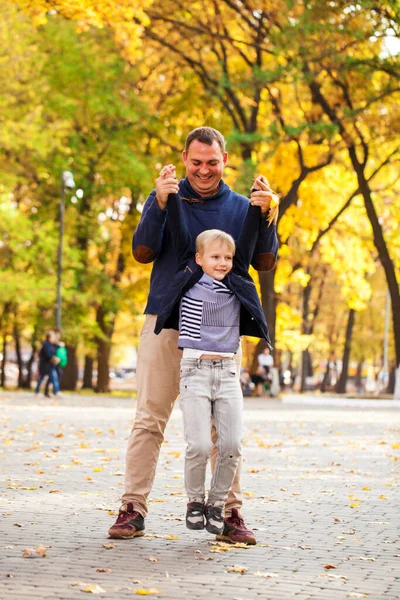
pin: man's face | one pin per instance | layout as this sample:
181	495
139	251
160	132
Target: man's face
204	166
216	260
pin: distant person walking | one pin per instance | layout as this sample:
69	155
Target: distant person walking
47	363
62	355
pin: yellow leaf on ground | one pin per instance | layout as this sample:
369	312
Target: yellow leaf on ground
328	566
143	592
38	552
237	569
98	469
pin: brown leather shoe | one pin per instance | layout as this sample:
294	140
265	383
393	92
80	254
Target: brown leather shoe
236	531
129	524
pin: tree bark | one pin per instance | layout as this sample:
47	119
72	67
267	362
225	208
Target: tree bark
18	353
3	362
87	382
269	303
342	381
70	377
103	350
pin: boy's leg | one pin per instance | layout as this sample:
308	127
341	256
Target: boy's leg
157	389
228	418
195	404
235	496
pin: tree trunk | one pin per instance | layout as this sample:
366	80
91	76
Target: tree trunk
341	384
3	362
70	377
268	302
305	358
27	381
87	382
106	325
358	381
18	353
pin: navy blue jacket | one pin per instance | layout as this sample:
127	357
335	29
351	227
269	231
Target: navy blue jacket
225	210
238	280
47	351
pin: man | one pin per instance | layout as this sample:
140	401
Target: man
208	203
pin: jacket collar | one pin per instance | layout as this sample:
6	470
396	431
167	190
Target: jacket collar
189	194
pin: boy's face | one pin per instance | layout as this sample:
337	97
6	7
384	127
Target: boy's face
216	260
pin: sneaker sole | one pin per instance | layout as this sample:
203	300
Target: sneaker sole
195	527
126	537
212	529
225	538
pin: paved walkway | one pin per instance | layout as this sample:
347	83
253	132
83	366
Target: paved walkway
321	487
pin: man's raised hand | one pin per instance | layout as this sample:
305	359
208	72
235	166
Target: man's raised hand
262	195
166	183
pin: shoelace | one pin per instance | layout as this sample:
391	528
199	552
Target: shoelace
237	522
122	516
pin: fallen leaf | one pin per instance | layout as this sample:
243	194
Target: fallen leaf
102	570
356	595
328	566
368	558
237	569
171	537
98	469
109	546
38	552
266	575
152	559
149	592
89	588
17	525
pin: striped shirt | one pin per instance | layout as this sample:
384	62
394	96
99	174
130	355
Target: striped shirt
209	317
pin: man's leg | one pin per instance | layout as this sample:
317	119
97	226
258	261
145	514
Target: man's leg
157	389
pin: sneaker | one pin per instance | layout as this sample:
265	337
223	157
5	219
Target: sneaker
129	524
214	518
195	515
236	531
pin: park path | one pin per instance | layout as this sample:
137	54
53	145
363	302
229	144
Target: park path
321	491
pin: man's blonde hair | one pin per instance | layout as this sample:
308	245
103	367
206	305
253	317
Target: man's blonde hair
214	235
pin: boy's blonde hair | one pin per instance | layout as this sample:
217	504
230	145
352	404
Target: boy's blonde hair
214	235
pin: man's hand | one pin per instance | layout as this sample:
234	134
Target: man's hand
262	194
166	183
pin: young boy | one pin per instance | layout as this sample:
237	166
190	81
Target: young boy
212	301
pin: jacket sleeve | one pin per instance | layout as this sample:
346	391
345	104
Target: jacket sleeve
49	350
180	233
148	237
266	249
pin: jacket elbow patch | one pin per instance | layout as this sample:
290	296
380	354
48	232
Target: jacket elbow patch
264	262
143	254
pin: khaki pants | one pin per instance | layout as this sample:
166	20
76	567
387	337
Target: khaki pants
157	389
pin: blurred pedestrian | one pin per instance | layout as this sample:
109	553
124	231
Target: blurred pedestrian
62	355
47	363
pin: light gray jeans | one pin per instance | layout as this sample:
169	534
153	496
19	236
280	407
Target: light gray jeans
211	388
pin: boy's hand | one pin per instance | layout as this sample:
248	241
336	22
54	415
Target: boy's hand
166	183
262	194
